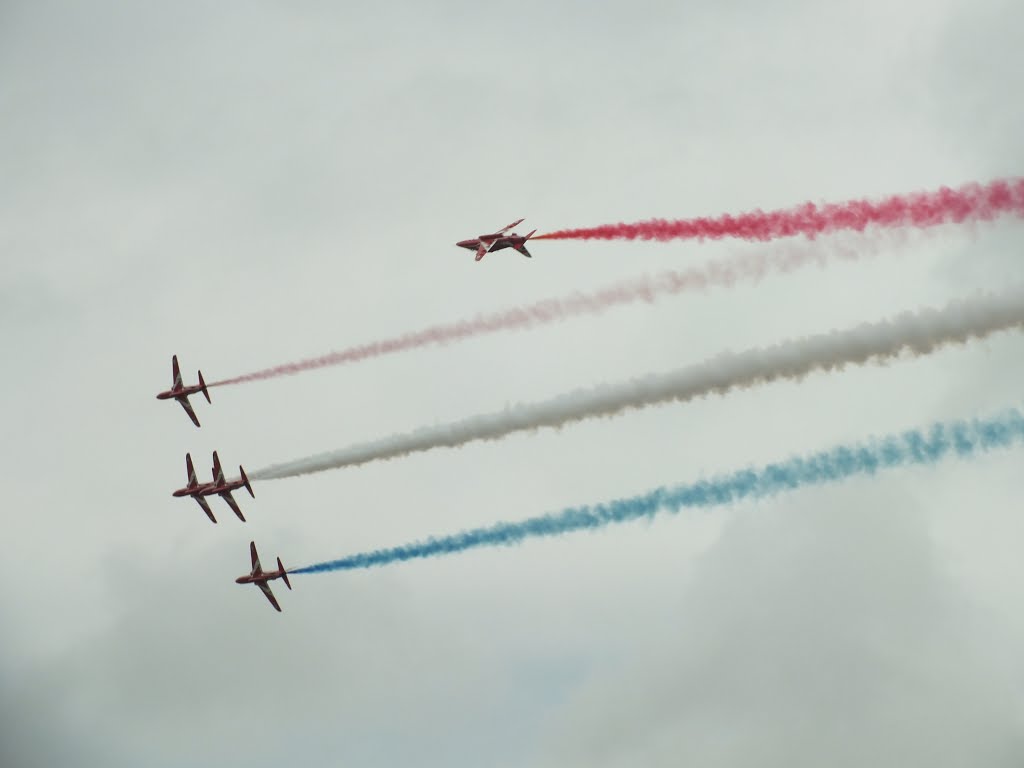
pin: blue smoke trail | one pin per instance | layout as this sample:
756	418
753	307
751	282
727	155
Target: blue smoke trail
915	447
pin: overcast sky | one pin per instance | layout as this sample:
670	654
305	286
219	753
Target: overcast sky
246	184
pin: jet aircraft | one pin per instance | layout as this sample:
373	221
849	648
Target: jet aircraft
180	392
495	241
219	487
260	578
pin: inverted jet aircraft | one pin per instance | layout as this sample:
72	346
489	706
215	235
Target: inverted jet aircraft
260	578
180	392
219	487
495	241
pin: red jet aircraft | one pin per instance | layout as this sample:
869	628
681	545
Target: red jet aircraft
498	240
219	487
180	392
259	577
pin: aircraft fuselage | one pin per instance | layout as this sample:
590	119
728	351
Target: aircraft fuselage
264	577
207	489
175	393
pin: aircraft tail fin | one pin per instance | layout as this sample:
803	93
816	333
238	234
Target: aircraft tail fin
284	574
245	480
206	392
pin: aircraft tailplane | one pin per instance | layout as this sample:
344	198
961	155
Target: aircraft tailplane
206	392
245	480
284	574
522	247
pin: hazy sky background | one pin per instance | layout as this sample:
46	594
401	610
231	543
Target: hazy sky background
245	184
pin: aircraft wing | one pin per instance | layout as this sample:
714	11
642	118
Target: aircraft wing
256	567
503	230
175	373
218	473
206	508
226	495
188	409
480	251
190	471
270	595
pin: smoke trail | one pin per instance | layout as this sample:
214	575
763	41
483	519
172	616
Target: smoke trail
915	447
918	334
923	209
745	267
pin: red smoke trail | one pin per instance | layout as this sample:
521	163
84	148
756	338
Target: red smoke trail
750	267
921	209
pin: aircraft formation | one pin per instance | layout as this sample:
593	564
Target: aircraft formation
220	486
919	333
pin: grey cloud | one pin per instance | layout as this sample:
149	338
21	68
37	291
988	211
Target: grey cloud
252	183
823	630
975	76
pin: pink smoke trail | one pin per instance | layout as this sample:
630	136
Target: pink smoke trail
747	267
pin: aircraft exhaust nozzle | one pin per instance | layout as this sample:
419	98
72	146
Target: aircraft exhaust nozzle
206	392
284	574
246	481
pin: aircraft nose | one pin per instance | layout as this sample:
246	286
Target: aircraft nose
240	580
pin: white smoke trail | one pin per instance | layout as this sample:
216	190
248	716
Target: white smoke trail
915	333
